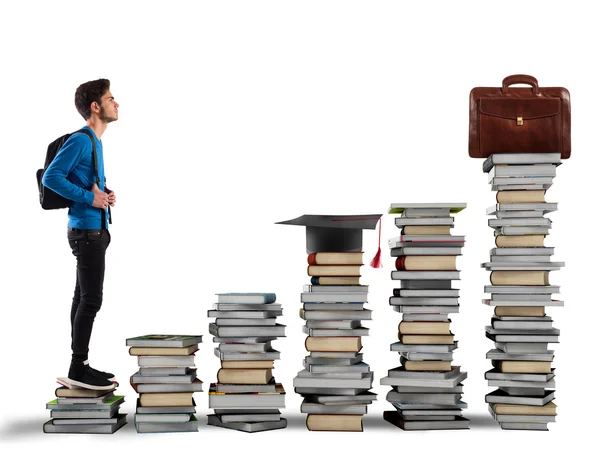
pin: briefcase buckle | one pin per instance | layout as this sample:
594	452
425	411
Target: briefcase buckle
519	120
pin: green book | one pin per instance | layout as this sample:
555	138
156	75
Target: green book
110	404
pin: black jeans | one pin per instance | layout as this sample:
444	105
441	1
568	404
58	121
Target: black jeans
89	247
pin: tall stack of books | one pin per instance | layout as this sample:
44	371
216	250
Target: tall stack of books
520	291
335	382
81	410
426	387
166	382
246	396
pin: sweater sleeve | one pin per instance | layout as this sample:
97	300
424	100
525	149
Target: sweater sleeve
69	156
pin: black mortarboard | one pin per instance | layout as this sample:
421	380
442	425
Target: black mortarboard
334	233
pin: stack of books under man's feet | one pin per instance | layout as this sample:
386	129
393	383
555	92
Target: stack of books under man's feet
166	382
85	403
246	396
520	291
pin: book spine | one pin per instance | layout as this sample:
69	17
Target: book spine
400	263
312	259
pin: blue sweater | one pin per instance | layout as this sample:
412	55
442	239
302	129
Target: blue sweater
71	174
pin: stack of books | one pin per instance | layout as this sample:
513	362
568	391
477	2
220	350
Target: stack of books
80	410
426	387
520	291
166	382
246	397
335	382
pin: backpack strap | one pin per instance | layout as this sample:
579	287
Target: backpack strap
96	175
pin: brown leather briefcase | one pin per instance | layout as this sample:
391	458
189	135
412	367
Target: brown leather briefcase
518	119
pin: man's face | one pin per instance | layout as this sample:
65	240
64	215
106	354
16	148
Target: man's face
109	109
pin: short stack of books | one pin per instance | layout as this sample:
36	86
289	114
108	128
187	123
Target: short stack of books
520	291
166	382
426	387
335	382
80	410
246	396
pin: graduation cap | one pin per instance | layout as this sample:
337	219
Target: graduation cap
326	233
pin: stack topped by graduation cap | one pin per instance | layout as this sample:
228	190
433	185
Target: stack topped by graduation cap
165	382
520	291
426	387
335	382
84	410
246	396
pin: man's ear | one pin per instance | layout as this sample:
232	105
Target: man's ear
95	107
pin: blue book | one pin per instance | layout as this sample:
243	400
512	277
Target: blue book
247	298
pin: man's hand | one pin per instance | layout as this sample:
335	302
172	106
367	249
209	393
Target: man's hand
100	198
112	199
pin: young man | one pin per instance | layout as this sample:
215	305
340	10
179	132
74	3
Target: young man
72	175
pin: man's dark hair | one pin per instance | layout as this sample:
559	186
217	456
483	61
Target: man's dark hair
91	91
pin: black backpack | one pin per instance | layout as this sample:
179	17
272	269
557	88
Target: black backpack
48	198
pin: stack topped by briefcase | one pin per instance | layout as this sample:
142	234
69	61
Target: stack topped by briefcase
523	133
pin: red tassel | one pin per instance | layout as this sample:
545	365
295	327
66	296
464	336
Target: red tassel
376	262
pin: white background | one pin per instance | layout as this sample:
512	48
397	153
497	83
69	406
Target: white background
238	114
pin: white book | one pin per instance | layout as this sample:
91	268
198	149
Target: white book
425	251
326	315
416	382
522	266
520	159
544	259
546	207
426	308
165	418
520	221
429	293
423	348
349	289
319	382
518	230
539	180
426	212
335	297
501	188
404	221
356	332
522	251
521	171
425	275
513	214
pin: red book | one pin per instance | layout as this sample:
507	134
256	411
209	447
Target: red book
400	263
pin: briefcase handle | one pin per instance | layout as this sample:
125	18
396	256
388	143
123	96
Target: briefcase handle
515	79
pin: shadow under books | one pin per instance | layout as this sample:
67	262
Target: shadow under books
19	429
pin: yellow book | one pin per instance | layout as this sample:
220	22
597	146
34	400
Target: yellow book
333	344
424	327
520	311
325	422
520	278
258	364
524	367
521	196
245	376
518	409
